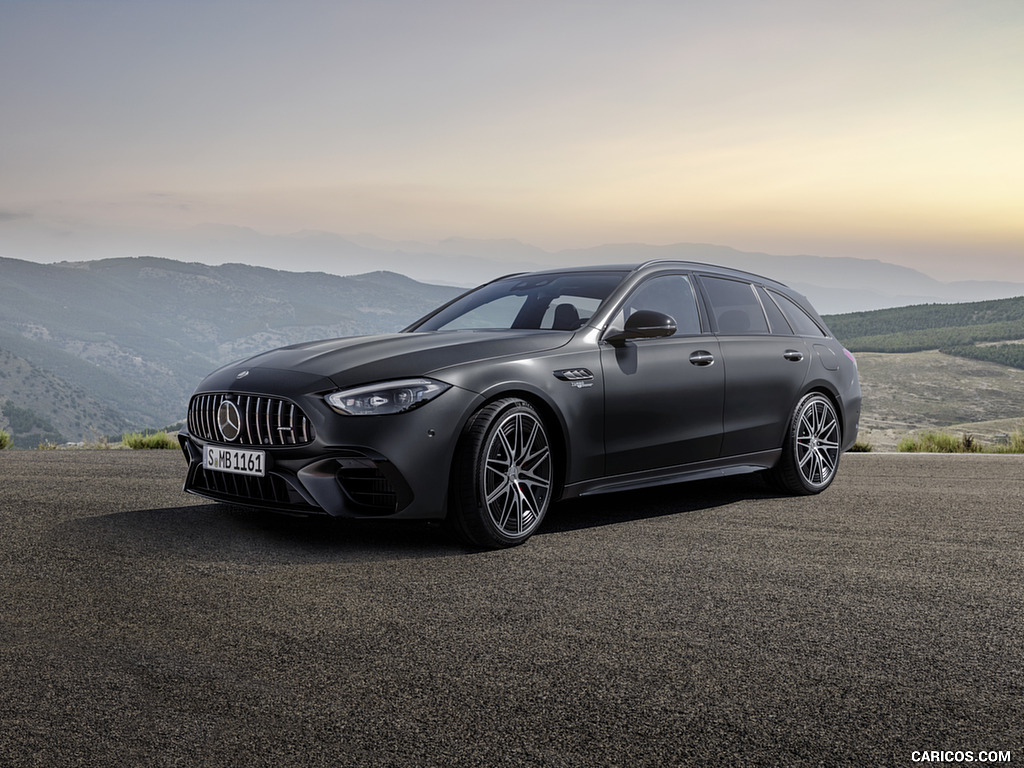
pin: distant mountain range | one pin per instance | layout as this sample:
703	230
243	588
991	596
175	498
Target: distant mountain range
98	348
834	285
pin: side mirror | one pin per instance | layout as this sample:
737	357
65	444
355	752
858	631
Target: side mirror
644	324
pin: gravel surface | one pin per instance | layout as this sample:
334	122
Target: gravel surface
713	623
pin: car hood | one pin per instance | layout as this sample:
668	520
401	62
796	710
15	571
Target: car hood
365	359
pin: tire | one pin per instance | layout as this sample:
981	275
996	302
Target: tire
502	477
810	454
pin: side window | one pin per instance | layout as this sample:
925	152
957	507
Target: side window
802	323
776	319
735	306
671	294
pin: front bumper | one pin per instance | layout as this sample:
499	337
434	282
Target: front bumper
357	466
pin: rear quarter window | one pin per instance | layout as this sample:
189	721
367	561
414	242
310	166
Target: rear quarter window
776	319
802	323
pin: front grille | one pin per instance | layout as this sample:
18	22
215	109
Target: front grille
265	421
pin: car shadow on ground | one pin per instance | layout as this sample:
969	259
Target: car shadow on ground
222	532
647	503
212	531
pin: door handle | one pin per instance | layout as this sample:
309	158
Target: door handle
702	358
793	355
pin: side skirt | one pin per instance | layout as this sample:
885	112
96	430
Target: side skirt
733	465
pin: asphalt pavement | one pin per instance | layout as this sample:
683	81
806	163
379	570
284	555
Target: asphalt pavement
714	623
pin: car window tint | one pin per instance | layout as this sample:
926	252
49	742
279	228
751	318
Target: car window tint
734	306
798	318
670	294
776	319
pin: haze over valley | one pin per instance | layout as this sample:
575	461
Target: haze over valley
834	284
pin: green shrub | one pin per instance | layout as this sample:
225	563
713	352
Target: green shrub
153	440
861	447
5	440
1014	444
939	442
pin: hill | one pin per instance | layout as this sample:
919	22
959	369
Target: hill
96	348
958	367
907	392
984	330
908	328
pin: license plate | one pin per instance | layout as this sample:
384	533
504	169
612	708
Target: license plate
236	461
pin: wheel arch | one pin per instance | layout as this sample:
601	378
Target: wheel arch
549	413
790	473
824	388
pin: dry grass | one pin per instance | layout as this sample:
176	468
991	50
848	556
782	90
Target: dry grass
907	394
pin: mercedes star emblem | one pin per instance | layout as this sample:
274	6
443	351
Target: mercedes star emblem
229	420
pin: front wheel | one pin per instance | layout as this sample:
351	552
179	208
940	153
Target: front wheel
502	477
810	455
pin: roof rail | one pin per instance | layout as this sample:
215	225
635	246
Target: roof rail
652	262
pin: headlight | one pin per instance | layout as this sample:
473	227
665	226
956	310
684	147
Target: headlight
386	397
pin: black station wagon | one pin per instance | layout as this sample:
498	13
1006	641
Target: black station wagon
529	389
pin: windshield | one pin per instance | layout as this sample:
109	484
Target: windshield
558	302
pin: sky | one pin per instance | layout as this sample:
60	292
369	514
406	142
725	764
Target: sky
888	129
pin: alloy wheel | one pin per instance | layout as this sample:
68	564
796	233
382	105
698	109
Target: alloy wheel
517	474
817	442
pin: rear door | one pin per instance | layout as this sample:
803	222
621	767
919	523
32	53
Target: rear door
765	365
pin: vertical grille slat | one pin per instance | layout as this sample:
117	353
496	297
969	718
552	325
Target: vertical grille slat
248	430
266	421
202	423
209	413
260	440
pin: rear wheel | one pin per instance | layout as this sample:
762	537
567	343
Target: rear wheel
502	477
810	455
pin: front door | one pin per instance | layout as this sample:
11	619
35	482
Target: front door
664	398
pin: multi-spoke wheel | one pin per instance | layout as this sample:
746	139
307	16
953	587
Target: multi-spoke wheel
810	455
502	479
